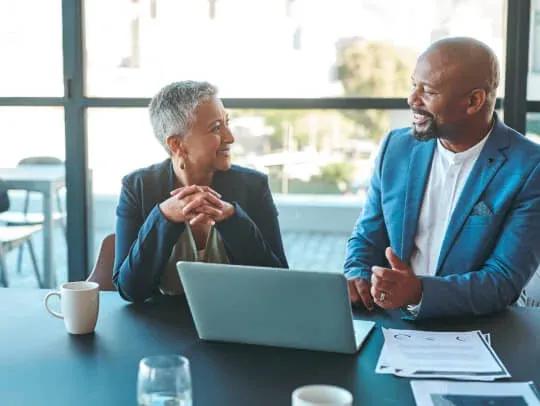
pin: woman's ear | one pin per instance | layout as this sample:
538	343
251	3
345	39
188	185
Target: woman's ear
175	145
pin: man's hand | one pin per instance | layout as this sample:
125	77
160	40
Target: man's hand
359	293
396	287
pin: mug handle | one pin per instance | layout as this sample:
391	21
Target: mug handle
46	300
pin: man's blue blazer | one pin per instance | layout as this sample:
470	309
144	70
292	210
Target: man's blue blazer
492	244
145	238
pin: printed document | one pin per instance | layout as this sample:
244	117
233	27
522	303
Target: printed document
430	354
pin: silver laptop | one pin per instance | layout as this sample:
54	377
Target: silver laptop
272	306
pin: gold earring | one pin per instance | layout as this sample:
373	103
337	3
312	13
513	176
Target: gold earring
182	166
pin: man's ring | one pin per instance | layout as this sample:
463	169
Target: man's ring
382	296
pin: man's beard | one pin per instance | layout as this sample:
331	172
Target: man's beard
429	133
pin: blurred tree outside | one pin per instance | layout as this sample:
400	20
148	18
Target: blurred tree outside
281	121
339	173
373	69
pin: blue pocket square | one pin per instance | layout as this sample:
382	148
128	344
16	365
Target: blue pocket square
481	209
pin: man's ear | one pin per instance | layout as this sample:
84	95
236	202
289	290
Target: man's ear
175	144
477	100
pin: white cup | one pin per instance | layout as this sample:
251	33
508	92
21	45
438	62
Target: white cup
79	302
321	395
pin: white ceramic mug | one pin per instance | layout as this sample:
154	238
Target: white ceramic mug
79	302
321	395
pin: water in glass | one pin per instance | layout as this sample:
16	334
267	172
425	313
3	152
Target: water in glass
166	399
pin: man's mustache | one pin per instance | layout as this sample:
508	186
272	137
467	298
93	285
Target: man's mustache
422	112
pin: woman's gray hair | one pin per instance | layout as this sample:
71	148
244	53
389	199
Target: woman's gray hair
172	108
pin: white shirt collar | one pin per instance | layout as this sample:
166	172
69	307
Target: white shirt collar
460	157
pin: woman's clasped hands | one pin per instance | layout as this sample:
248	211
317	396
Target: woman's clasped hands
196	204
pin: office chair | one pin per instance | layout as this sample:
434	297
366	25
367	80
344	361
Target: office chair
103	269
12	237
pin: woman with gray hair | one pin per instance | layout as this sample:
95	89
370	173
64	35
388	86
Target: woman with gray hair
194	206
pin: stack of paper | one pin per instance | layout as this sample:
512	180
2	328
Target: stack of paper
430	354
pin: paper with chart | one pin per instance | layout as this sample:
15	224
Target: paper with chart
438	393
430	354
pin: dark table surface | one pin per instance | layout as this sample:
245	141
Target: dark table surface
40	364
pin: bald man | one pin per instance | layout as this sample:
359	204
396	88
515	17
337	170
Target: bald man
451	223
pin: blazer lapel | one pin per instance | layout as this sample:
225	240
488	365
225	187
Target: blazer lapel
224	185
488	163
419	169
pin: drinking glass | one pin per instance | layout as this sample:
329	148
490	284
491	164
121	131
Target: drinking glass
164	380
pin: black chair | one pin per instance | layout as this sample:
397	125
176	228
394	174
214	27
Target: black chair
24	217
4	197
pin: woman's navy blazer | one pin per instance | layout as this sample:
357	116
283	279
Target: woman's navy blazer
145	238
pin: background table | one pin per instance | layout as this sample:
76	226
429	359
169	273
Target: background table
43	365
46	179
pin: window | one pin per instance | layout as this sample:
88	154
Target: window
274	49
31	44
282	57
533	127
533	80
